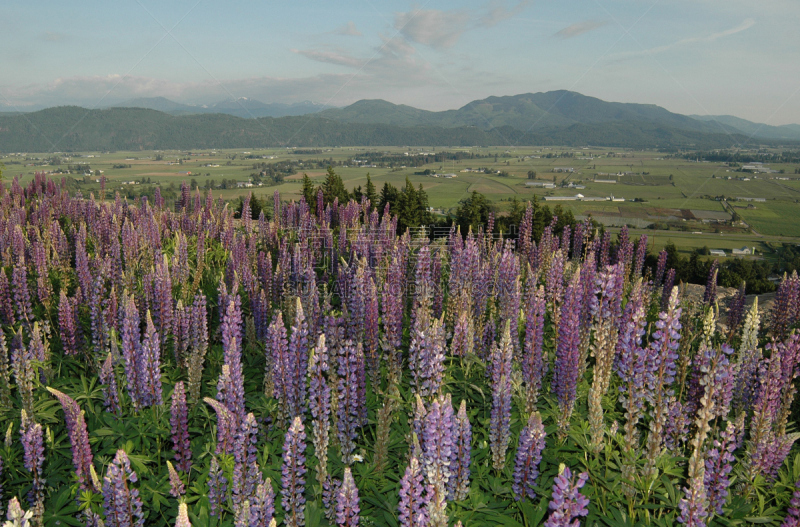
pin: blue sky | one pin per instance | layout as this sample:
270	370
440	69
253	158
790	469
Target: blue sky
691	56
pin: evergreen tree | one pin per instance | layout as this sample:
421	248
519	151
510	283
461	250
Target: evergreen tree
309	192
333	188
370	192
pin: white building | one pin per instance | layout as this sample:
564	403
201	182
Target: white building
717	252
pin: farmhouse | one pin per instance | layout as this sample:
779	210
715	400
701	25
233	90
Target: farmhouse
743	251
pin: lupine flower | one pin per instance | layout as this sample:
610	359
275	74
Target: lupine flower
661	267
319	402
150	366
66	324
16	516
500	421
736	309
33	460
22	296
462	454
632	362
349	411
534	363
710	294
199	345
463	336
278	380
110	391
347	508
793	512
226	425
231	329
217	487
669	283
24	368
529	455
392	301
413	506
566	367
293	475
437	443
183	516
121	502
718	466
246	474
6	304
567	503
176	486
330	492
663	353
786	307
426	355
297	363
262	506
131	350
179	422
748	358
78	438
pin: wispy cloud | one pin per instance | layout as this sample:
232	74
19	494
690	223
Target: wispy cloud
747	24
438	29
580	28
348	30
331	57
499	12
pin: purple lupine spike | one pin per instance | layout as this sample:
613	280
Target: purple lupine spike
131	351
371	327
33	460
298	366
566	367
461	459
231	329
347	508
786	308
793	512
78	438
736	309
392	302
349	413
567	503
293	475
426	355
226	425
666	291
262	507
176	486
663	354
529	455
625	249
22	296
661	267
534	363
330	490
179	422
718	466
217	487
500	421
66	324
246	474
413	506
641	253
632	362
319	403
554	281
6	303
277	380
462	341
121	502
150	369
110	391
437	444
710	294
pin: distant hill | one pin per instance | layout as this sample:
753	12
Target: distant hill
241	107
749	128
71	128
526	112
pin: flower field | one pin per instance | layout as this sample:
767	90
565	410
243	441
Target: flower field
170	364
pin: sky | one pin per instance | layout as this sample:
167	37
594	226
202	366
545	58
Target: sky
735	57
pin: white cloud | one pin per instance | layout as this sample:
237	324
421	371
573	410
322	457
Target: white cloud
348	30
438	29
499	12
331	57
580	28
747	24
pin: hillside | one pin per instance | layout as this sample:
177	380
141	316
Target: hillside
241	107
749	128
71	128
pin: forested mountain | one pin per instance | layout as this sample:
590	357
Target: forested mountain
72	128
241	107
787	131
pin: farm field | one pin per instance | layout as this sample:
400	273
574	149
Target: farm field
667	189
166	363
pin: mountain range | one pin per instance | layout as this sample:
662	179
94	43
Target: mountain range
551	118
